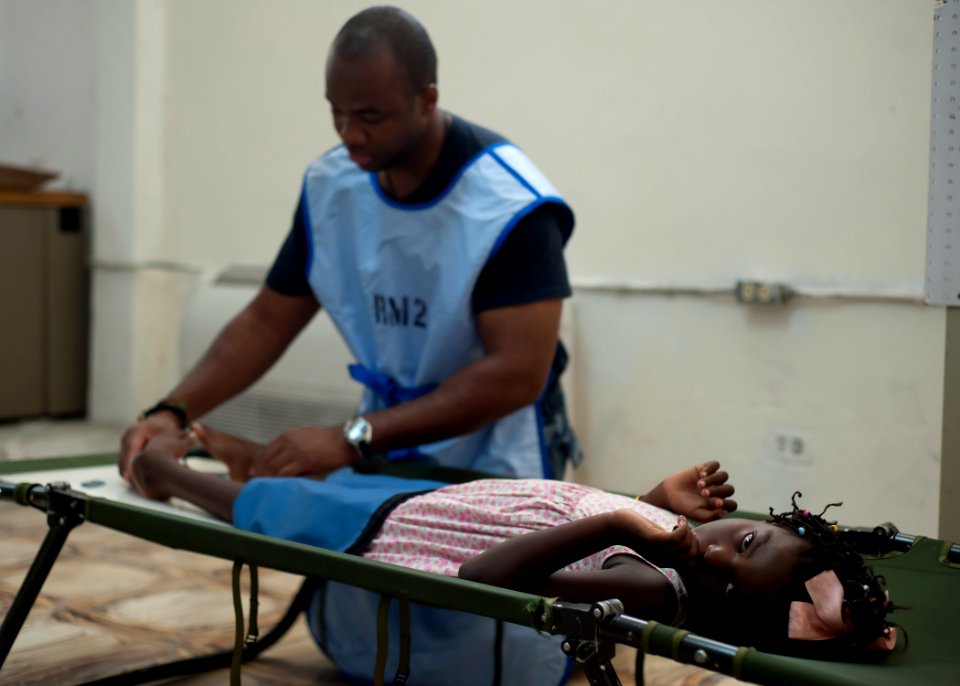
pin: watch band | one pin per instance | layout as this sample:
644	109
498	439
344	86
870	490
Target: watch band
176	408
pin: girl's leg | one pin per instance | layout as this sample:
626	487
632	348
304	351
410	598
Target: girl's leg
235	452
158	474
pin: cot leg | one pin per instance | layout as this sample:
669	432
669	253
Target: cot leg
596	660
60	526
601	673
581	623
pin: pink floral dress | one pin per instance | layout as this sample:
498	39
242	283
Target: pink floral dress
440	530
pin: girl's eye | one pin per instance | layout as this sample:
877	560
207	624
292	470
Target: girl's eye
747	540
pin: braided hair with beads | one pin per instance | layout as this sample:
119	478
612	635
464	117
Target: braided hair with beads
866	603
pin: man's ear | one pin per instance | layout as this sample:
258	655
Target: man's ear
427	99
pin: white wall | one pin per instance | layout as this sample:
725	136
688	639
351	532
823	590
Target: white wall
710	139
699	142
140	279
672	383
47	88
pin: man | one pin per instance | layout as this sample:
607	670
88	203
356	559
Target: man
436	247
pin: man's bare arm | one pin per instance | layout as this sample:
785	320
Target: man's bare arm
246	348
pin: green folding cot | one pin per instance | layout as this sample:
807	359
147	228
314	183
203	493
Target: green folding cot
923	573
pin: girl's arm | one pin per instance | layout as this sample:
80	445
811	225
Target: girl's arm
158	474
700	492
534	562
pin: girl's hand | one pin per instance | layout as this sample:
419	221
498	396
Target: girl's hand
700	492
679	548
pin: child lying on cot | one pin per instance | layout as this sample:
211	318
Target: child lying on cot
780	585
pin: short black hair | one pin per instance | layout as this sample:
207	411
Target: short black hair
377	27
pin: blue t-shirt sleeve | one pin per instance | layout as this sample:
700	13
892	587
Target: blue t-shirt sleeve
288	275
529	266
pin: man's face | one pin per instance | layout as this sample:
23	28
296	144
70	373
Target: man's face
375	113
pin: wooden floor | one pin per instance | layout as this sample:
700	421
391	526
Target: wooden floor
114	603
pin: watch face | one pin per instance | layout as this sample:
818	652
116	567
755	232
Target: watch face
357	430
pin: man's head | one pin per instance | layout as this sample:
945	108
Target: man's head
381	84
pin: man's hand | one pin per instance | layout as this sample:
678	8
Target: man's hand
136	437
308	450
700	493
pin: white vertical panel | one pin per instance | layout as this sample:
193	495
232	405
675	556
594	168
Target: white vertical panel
942	285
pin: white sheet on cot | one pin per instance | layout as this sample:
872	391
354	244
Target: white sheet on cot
105	482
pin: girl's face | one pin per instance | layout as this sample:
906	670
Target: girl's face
758	558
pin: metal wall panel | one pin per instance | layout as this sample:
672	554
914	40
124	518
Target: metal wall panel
942	286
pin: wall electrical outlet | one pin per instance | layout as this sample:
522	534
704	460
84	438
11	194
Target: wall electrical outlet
790	446
762	293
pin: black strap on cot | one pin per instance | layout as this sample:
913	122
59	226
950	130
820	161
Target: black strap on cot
242	639
383	641
403	660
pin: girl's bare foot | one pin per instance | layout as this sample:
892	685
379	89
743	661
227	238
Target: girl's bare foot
147	468
143	477
235	452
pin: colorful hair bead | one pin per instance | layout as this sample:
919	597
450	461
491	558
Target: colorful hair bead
801	531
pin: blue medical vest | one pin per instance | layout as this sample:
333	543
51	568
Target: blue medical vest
397	281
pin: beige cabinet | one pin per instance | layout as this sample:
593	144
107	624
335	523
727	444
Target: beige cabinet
44	308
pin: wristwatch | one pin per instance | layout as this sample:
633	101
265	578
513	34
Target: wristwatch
358	432
174	407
